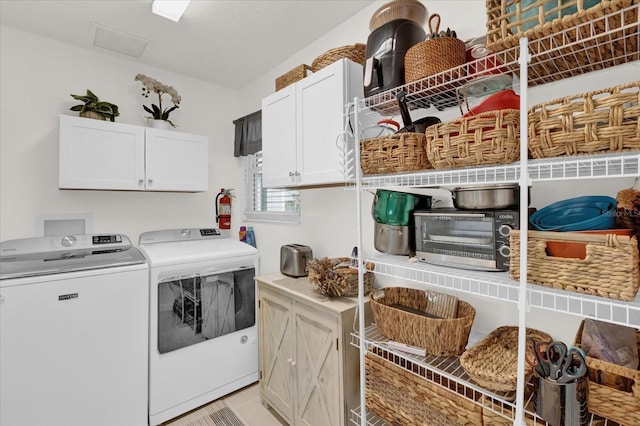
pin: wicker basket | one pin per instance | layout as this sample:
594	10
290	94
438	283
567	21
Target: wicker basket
489	138
354	52
598	122
335	281
610	268
400	397
574	40
400	152
614	391
493	362
439	336
296	74
434	56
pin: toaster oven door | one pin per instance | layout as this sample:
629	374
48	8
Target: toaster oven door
459	239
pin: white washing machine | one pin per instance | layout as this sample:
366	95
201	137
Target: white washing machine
203	332
73	331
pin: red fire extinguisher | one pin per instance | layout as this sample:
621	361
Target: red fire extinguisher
223	214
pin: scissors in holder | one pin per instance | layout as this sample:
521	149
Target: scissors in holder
539	361
574	367
562	367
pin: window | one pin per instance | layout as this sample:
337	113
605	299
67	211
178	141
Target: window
278	205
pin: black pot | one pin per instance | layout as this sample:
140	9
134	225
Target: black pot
418	126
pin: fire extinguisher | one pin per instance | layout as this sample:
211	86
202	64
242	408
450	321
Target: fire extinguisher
223	214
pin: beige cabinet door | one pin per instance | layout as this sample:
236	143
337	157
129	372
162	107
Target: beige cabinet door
318	399
276	337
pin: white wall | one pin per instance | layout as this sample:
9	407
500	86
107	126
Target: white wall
37	75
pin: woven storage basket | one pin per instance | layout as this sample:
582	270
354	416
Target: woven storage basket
433	56
610	268
573	38
336	282
439	336
489	138
400	397
296	74
493	363
614	391
598	122
400	152
354	52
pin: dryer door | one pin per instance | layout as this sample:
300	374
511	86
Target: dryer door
195	308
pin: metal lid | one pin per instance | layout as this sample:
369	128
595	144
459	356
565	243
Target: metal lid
494	186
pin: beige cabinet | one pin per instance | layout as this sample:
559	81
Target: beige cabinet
309	371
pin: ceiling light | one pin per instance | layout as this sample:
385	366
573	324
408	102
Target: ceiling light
170	9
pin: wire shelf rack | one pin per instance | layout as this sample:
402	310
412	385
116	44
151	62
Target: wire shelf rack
498	285
609	40
624	164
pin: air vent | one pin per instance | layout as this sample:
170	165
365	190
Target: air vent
117	41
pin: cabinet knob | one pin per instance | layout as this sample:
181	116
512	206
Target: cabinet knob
140	181
291	174
297	173
293	363
150	181
289	360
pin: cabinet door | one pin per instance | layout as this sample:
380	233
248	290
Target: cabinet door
317	368
98	154
276	336
279	138
320	117
176	161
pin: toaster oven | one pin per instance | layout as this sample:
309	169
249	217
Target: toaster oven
466	239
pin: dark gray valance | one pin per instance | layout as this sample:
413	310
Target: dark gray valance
248	138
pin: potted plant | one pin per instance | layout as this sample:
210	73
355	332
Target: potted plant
160	116
94	107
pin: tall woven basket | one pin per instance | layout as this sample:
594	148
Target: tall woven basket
598	122
433	56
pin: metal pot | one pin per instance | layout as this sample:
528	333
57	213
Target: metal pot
505	196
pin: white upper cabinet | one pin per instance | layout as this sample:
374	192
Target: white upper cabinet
103	155
303	127
279	138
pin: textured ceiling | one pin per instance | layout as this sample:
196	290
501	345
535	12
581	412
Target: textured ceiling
230	43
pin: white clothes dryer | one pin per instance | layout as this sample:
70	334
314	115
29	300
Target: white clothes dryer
73	331
203	332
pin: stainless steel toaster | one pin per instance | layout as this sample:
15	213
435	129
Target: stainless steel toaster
293	259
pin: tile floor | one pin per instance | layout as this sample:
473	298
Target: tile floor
247	406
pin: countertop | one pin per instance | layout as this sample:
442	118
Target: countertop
302	289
